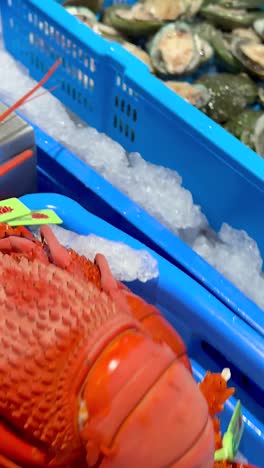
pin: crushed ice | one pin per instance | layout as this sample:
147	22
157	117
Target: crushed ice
126	264
232	252
237	257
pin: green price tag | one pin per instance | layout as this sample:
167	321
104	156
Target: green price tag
35	218
12	208
232	437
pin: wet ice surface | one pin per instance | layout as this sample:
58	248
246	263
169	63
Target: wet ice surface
126	263
156	189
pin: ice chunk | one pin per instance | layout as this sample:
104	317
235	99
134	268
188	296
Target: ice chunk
126	264
237	257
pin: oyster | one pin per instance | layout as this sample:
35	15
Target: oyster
243	126
220	43
250	54
133	21
259	27
197	95
247	4
261	95
166	10
227	18
83	14
93	5
230	94
109	33
176	50
194	7
139	53
205	50
246	33
259	136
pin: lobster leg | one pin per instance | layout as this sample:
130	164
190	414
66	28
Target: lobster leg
59	254
16	244
5	463
149	316
20	245
13	448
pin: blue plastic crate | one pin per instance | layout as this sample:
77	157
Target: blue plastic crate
161	126
76	180
199	317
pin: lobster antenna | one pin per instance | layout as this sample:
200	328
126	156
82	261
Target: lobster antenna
24	98
48	90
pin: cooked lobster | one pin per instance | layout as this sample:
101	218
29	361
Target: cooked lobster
90	374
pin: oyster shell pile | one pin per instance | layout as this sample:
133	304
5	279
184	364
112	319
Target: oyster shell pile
178	39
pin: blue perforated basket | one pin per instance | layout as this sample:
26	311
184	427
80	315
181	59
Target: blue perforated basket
114	92
206	325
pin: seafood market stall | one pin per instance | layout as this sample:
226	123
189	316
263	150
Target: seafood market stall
222	217
130	150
